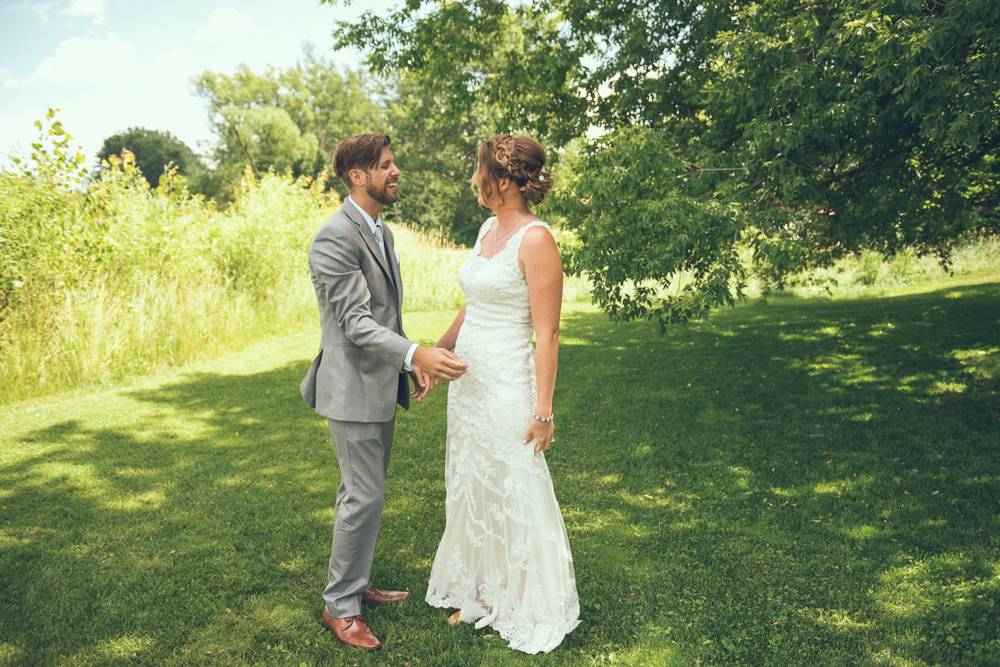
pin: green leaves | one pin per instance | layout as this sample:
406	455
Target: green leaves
436	152
653	241
33	197
518	63
883	111
153	151
288	120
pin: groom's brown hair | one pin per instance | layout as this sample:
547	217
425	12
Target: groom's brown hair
362	151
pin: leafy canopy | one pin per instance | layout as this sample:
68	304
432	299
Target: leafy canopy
745	119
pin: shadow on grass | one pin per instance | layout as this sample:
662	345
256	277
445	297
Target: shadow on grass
132	539
800	482
804	482
197	531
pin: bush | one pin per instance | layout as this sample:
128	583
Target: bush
36	230
126	279
154	151
870	267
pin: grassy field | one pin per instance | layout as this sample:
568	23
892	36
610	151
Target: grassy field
112	328
129	280
872	274
811	482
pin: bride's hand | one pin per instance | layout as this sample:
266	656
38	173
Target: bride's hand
541	433
422	383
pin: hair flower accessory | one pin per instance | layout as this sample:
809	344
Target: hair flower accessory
541	177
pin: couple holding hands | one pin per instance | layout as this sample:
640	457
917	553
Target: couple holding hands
504	559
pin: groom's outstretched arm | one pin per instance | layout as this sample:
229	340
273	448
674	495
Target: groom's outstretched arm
336	270
440	364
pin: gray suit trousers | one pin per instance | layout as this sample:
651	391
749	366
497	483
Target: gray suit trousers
362	450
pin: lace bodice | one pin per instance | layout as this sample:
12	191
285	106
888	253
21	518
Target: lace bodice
495	340
495	289
504	559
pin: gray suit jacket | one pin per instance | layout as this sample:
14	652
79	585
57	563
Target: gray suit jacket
357	375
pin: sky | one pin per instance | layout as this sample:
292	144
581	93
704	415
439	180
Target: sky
109	65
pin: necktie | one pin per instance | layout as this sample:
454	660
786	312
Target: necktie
381	242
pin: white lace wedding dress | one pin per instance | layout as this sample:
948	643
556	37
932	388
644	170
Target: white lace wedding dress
504	559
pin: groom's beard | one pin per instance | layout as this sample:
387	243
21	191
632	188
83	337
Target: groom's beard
383	195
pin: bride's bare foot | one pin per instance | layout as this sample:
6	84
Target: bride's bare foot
454	618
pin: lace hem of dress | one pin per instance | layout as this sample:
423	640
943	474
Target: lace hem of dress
540	638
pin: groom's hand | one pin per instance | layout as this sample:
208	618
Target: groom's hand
422	383
439	363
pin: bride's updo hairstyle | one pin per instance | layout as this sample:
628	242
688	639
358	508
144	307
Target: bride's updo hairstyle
520	159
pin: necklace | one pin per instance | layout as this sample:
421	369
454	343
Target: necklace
497	228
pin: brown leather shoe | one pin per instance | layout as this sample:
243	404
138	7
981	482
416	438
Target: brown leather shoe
351	631
375	597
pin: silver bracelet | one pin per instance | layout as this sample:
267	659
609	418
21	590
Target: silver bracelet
545	419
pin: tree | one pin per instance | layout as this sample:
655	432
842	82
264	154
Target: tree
285	120
436	153
728	123
154	151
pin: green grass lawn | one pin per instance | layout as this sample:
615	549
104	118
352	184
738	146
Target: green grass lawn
811	482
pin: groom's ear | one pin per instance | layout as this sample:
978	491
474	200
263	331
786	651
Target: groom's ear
357	177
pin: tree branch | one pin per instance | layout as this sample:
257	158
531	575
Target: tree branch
699	170
246	150
753	186
859	169
979	155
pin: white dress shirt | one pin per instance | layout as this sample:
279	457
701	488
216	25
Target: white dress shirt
377	222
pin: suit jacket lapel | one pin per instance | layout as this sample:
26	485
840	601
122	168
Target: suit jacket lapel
390	252
366	234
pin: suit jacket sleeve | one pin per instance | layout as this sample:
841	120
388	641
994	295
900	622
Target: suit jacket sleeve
333	258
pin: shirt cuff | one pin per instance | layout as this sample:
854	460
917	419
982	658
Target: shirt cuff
408	361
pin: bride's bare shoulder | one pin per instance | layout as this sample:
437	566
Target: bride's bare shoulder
539	239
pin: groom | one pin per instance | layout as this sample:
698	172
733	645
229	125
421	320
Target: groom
360	373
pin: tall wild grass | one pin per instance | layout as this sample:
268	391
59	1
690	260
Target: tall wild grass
123	279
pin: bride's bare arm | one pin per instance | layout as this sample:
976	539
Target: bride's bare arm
542	266
450	336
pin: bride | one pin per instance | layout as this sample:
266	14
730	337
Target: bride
504	559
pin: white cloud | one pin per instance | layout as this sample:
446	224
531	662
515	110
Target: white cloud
224	24
86	8
39	9
177	64
88	60
149	65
